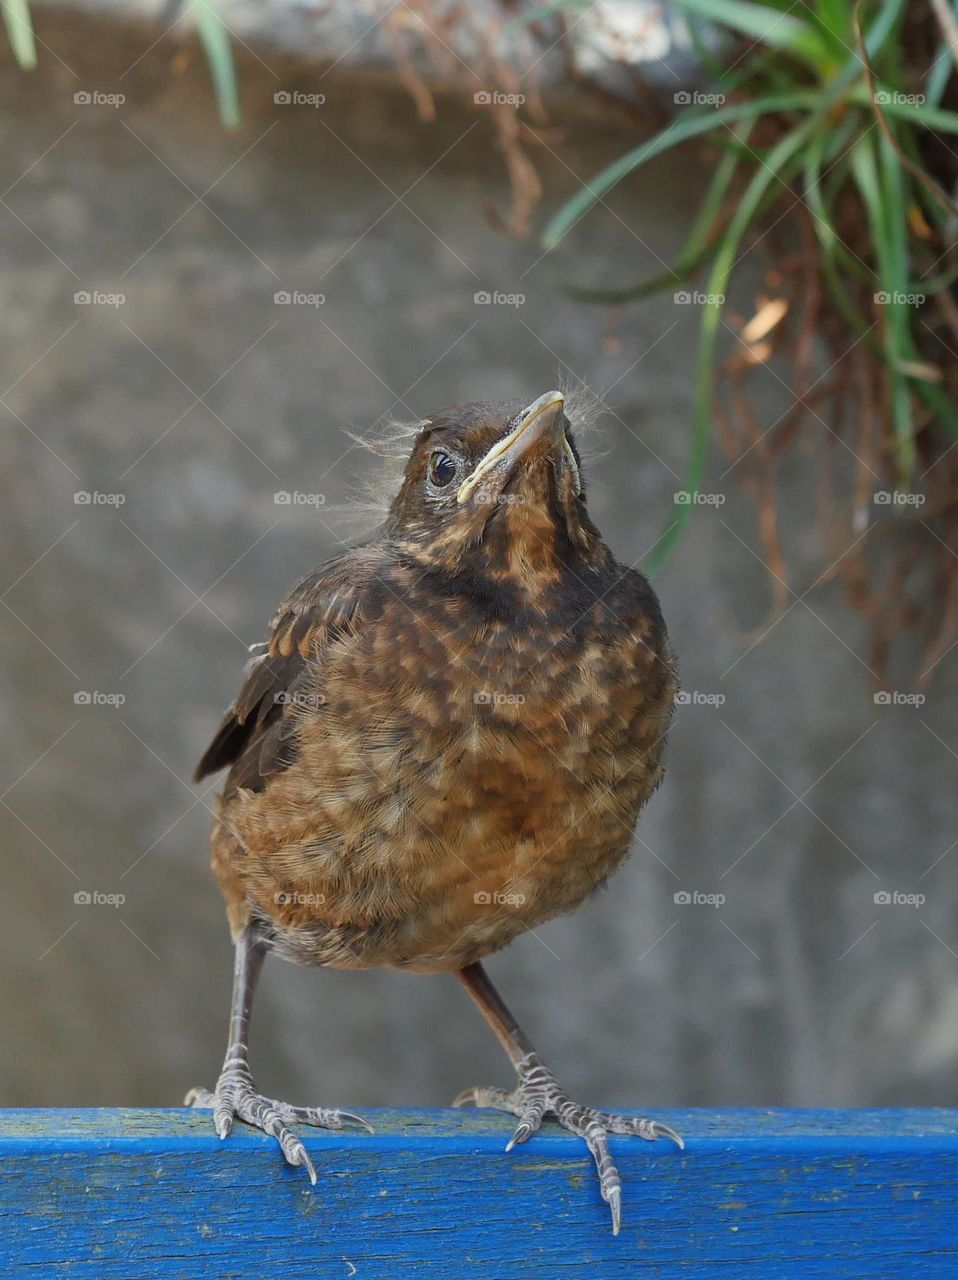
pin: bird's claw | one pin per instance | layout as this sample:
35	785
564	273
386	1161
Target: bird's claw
538	1094
236	1096
614	1200
523	1133
363	1124
660	1130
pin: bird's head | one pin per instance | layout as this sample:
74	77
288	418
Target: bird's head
498	483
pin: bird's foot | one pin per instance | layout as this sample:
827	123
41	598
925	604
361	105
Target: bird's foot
235	1097
538	1094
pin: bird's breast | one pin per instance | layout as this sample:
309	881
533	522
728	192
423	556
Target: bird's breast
459	782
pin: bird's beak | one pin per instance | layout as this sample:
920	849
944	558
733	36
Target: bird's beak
543	418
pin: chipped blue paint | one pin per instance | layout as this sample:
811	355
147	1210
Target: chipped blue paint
94	1195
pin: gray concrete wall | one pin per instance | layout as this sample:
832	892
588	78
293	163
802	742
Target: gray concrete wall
197	399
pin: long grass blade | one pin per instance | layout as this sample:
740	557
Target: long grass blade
882	195
776	165
680	130
16	19
936	119
696	251
833	248
939	75
216	45
785	31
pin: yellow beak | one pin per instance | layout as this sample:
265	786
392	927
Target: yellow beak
541	417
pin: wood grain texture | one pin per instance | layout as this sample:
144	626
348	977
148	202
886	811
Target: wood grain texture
120	1193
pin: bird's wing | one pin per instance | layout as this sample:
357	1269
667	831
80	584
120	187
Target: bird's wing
255	734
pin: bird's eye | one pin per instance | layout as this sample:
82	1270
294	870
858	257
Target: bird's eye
442	470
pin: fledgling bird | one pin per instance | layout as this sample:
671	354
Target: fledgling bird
445	741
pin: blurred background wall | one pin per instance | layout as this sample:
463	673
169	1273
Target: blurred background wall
791	792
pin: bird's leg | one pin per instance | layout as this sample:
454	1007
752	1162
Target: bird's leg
235	1094
538	1094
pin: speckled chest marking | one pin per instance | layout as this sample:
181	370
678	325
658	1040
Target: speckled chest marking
466	777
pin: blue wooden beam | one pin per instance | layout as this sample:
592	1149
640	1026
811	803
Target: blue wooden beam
94	1195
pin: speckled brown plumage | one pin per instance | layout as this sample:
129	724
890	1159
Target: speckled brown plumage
450	731
476	708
